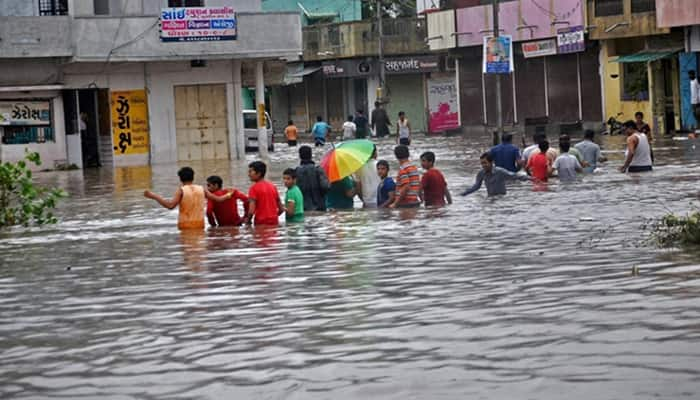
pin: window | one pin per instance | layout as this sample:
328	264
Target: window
101	7
604	8
635	82
640	6
185	3
26	134
334	35
53	7
250	120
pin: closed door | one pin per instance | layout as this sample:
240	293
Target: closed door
201	123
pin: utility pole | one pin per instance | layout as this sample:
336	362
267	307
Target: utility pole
380	45
499	105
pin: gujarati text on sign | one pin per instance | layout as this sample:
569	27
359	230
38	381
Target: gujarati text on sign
130	122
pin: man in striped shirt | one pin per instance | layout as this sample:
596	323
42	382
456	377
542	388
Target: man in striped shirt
408	181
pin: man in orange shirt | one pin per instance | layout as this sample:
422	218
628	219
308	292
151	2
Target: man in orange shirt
291	132
190	199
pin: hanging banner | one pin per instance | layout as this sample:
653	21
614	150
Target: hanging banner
571	40
25	113
498	55
540	48
443	104
130	122
198	24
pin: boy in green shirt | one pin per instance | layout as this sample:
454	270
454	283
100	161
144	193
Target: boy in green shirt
293	200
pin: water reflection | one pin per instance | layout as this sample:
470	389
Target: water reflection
529	293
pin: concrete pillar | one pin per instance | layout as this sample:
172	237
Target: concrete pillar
260	106
234	101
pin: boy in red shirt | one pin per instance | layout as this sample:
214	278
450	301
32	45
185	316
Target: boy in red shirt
264	204
435	192
539	165
226	213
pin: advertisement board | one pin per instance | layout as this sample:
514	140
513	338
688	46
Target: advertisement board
540	48
571	40
130	122
25	113
443	104
498	55
196	24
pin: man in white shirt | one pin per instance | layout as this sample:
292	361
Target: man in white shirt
349	129
695	98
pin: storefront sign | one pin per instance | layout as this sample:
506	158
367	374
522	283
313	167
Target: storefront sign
130	122
409	65
348	68
443	103
540	48
194	24
571	40
498	55
25	113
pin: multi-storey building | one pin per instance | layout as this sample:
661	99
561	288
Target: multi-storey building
133	82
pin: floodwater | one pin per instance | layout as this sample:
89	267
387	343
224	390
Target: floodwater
528	296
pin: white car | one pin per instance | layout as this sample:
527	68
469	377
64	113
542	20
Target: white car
250	131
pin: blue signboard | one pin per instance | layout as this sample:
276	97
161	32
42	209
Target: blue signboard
498	55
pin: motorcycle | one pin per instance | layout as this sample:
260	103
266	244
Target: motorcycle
614	126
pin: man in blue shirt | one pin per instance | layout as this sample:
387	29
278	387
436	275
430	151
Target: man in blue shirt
320	131
506	155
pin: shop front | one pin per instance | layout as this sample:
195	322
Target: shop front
31	118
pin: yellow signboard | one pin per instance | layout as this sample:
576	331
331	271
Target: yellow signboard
130	122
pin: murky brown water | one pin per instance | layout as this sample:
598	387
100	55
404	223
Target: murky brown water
529	296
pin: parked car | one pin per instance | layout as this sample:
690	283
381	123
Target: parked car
250	130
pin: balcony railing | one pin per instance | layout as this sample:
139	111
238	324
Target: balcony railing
361	38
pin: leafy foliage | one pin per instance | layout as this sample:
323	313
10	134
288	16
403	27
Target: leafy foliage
672	230
21	201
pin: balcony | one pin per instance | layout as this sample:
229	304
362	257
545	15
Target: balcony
35	37
360	39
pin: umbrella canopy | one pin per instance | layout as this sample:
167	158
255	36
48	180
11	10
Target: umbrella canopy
346	158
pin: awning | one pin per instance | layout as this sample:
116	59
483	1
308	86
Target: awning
30	88
297	72
644	56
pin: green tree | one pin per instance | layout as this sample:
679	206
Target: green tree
21	201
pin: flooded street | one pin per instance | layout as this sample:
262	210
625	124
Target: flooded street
527	296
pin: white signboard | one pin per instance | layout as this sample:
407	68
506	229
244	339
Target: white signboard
443	102
196	24
25	113
540	48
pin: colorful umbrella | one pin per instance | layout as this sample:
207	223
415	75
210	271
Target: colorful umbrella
346	158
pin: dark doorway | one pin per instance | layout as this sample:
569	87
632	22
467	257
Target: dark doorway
83	124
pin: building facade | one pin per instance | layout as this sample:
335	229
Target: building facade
553	83
683	16
127	83
340	73
639	62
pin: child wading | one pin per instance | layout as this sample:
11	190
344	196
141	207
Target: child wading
387	187
265	204
189	198
293	199
225	213
435	192
408	181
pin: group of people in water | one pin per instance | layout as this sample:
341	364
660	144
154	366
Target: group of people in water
309	190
